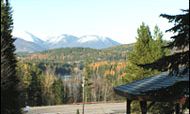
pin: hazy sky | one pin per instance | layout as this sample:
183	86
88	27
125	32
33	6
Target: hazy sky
117	19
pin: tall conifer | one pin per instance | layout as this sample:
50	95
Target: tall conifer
179	45
9	79
145	50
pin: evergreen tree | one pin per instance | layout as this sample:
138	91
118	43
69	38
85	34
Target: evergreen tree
34	89
179	45
145	50
87	83
9	80
158	43
58	91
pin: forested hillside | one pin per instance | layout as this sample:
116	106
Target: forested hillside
58	74
65	55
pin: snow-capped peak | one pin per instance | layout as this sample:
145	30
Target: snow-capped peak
56	39
89	38
62	38
27	36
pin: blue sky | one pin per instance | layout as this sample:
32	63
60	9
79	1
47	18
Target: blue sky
117	19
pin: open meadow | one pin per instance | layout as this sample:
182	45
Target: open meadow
100	108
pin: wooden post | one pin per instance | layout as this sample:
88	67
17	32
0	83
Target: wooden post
178	108
83	95
128	106
143	105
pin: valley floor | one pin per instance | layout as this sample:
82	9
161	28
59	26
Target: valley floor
100	108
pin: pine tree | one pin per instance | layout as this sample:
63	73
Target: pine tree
58	91
179	45
144	52
87	82
34	89
158	43
9	80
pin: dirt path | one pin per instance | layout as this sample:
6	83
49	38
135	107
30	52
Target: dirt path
103	108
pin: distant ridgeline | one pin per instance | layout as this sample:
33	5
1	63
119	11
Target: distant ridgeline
27	42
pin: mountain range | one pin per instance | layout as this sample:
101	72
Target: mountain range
28	42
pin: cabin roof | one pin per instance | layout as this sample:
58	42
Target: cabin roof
156	87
